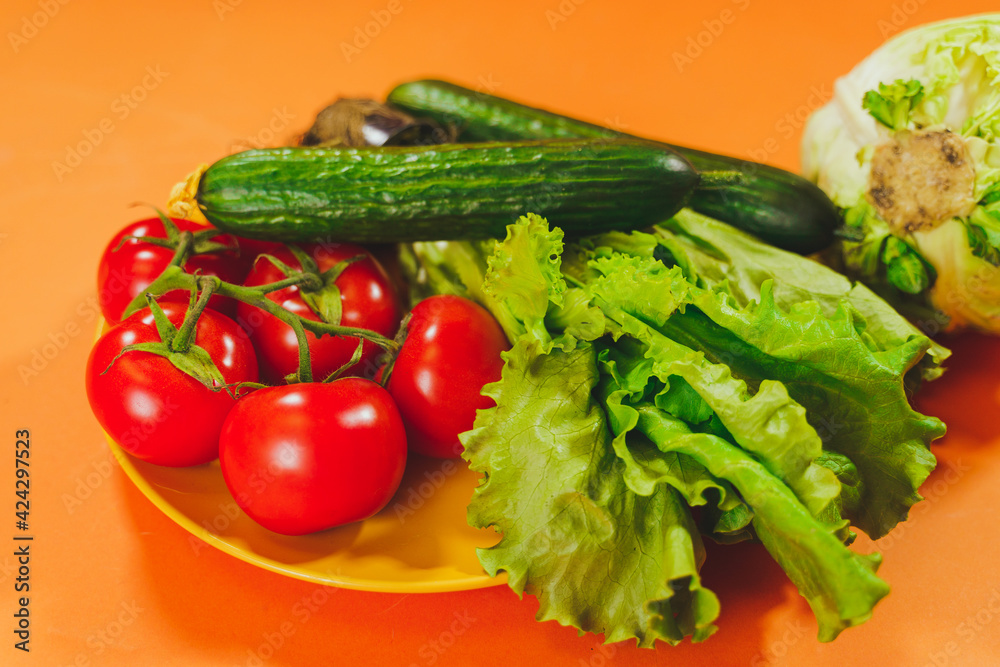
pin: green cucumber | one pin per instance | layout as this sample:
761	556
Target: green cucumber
443	192
779	207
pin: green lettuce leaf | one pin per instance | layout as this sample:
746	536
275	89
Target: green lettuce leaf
853	393
850	382
714	255
523	277
625	378
840	585
446	267
636	294
598	556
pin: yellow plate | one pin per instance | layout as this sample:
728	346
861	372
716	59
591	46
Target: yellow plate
420	542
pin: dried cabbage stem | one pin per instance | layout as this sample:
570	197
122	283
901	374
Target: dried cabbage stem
920	179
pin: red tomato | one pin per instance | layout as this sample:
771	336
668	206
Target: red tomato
128	271
153	410
452	349
367	300
387	254
306	457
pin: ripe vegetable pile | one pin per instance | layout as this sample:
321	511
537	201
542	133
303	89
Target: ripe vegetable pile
625	390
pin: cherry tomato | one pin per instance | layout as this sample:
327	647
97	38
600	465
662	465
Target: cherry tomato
367	300
127	271
151	409
306	457
452	349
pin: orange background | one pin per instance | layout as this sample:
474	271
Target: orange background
116	582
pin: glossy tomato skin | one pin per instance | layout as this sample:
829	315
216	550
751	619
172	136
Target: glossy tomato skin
367	298
149	407
452	349
127	271
306	457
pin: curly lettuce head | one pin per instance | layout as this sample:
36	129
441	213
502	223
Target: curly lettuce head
908	148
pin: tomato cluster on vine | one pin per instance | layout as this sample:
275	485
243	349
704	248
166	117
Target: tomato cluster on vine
292	365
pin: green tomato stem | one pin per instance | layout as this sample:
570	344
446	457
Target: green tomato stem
254	296
301	279
174	277
185	335
185	246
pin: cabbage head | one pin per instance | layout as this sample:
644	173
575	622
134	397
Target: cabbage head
908	149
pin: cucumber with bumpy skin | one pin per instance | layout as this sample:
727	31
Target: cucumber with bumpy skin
778	206
443	192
